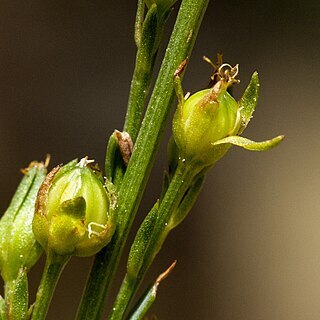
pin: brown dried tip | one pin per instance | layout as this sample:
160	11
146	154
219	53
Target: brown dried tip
163	275
181	68
215	76
125	145
43	191
37	164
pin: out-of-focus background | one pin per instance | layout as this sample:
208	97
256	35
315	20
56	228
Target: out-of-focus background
250	248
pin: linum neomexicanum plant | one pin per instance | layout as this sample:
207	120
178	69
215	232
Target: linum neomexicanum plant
80	210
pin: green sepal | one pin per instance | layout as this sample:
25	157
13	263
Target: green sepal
187	202
248	101
141	241
65	168
2	308
17	297
72	210
65	233
249	144
75	208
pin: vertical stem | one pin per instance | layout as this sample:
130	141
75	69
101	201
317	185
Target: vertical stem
148	30
179	48
16	297
16	300
128	287
2	308
52	271
9	295
138	93
181	180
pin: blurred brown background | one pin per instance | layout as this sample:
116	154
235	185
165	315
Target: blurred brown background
251	247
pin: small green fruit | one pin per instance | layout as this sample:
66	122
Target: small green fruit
72	215
209	122
204	118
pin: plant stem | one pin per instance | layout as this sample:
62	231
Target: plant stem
148	31
9	295
179	48
181	180
52	271
17	297
141	79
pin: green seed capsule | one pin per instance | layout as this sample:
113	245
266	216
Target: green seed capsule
205	117
18	246
209	122
72	214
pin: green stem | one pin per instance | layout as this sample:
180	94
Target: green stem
139	90
17	297
148	31
128	287
181	180
9	295
52	271
142	74
2	308
179	48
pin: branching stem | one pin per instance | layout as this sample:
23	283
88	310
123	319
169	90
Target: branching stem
179	48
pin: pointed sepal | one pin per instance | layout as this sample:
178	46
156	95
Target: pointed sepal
249	144
248	101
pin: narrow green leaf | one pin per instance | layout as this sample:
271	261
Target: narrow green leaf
150	29
173	156
187	203
249	144
143	304
249	100
112	148
139	22
147	299
165	184
141	242
149	3
18	247
114	166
